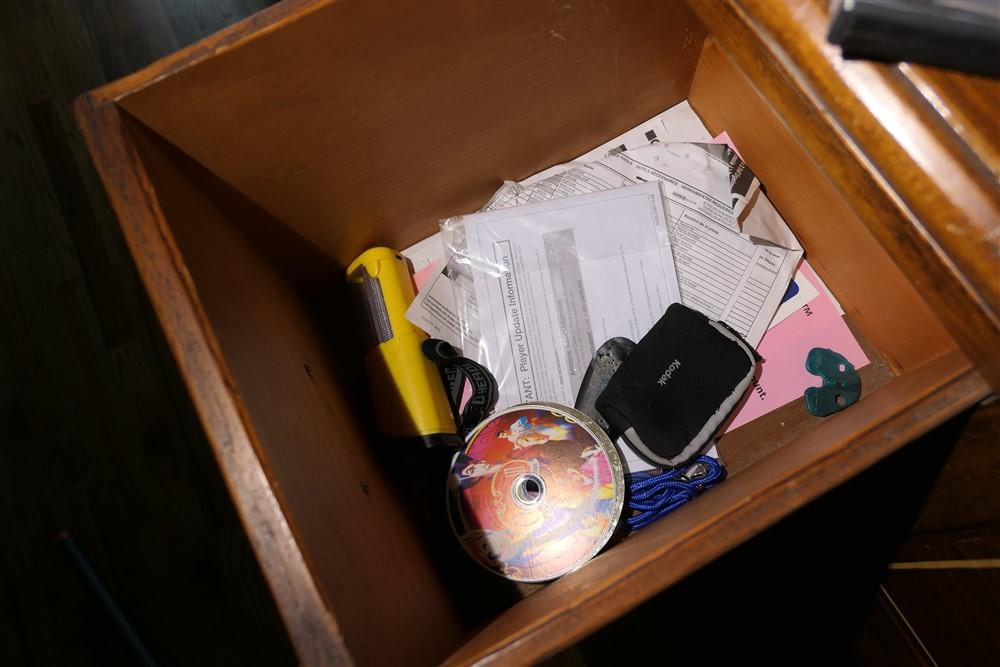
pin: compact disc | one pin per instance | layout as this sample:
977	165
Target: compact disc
537	492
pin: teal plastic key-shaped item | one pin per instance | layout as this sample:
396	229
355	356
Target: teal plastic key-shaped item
841	382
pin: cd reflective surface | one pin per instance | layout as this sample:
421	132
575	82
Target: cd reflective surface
537	492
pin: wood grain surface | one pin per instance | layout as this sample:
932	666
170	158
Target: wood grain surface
943	584
97	432
946	585
838	244
967	104
340	159
662	554
965	496
369	563
249	169
807	581
314	631
933	209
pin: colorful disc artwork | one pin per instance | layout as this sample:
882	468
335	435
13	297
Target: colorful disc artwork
537	492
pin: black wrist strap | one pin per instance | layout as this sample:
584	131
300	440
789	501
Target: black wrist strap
455	370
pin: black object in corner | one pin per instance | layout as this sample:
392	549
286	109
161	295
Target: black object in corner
957	34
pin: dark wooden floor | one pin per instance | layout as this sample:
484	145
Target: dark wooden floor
815	588
98	437
96	433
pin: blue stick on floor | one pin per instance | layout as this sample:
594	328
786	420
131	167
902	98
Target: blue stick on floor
83	567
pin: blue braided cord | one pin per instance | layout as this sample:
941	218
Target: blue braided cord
656	496
660	501
642	520
667	493
655	490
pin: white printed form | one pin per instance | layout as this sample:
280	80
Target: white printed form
728	275
567	275
744	293
445	306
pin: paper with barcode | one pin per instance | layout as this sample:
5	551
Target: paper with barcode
737	276
554	280
733	276
445	306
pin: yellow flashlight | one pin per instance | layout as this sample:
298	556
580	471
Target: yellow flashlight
406	387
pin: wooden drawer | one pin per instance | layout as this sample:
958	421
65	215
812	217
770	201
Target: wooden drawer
248	169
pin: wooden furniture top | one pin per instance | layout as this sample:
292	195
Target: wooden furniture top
930	141
927	142
919	190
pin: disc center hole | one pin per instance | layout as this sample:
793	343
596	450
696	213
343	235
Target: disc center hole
528	489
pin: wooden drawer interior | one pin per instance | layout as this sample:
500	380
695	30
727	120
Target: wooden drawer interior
274	161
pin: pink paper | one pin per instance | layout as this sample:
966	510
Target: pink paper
420	277
783	375
725	139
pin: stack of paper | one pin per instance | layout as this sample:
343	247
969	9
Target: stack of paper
558	263
735	276
560	277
